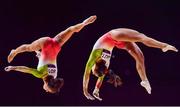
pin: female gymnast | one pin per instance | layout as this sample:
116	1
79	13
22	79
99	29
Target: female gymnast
50	47
121	38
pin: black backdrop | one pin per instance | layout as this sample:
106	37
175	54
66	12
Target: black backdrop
23	21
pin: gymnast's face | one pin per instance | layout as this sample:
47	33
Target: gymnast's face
46	88
96	73
100	68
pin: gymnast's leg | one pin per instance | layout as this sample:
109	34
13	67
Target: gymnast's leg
137	54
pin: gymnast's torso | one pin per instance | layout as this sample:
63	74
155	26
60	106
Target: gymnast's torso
48	56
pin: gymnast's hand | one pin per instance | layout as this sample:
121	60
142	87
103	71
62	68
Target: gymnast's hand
90	20
96	94
9	68
88	96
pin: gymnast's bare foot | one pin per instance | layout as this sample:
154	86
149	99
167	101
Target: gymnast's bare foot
169	47
90	20
11	55
146	85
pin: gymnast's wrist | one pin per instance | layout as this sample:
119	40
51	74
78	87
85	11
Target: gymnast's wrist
96	90
85	90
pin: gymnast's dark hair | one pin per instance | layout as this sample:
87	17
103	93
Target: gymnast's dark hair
100	67
54	84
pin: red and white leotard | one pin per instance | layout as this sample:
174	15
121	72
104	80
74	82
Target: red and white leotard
49	54
108	43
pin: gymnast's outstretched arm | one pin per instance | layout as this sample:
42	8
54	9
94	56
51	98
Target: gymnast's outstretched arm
86	77
97	87
24	69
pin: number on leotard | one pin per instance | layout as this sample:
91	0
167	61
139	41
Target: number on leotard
105	56
51	70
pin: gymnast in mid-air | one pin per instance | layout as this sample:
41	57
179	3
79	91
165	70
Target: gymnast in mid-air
122	38
47	49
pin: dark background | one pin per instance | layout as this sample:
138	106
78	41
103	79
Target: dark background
23	21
